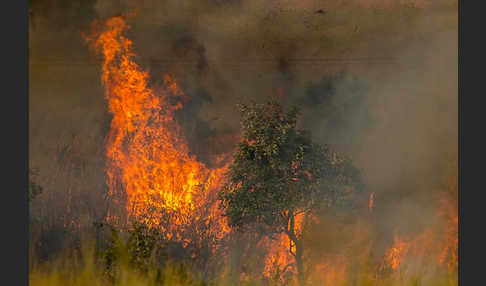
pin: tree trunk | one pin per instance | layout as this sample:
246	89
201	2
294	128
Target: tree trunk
299	262
298	255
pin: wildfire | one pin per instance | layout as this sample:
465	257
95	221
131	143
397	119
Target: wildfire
148	159
151	171
437	246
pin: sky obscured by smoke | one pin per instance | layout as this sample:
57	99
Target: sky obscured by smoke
377	80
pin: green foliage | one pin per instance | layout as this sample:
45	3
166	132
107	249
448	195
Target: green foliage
278	171
142	243
141	247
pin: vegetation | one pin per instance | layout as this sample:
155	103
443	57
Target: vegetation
278	173
141	249
86	268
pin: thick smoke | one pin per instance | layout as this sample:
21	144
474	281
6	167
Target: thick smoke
377	80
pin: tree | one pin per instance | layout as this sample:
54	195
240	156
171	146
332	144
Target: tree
278	173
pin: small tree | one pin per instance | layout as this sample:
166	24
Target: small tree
278	173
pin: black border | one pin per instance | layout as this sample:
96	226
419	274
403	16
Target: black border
471	143
14	116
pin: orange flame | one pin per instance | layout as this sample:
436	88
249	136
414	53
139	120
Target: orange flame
279	256
148	159
436	245
396	253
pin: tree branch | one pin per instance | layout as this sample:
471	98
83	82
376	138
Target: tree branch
290	248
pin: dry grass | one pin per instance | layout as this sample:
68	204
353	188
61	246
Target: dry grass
85	268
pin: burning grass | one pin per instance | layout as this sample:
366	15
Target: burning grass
85	268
